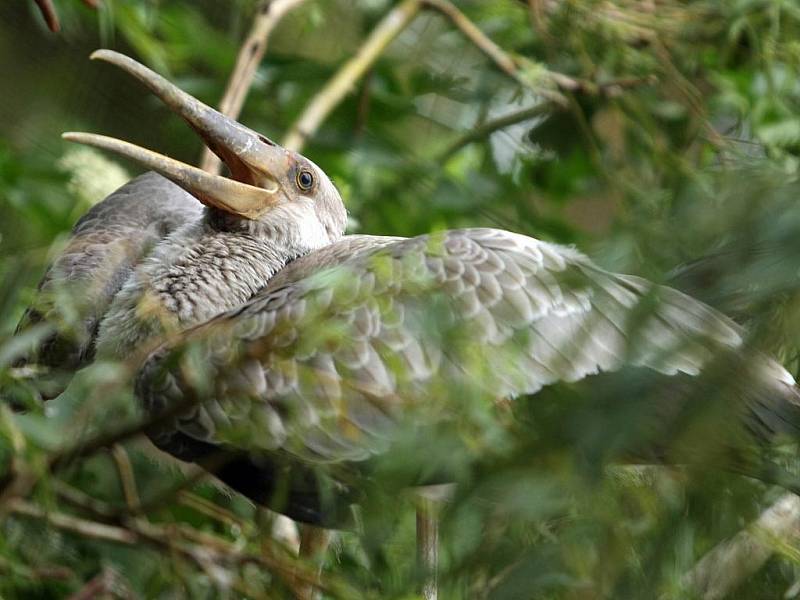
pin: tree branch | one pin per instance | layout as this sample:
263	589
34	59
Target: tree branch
200	548
49	14
511	66
127	478
106	584
268	14
210	509
48	11
392	24
55	572
82	527
731	562
20	478
489	127
342	82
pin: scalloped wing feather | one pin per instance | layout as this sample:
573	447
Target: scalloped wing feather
346	342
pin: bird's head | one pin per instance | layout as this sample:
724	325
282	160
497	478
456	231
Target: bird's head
271	190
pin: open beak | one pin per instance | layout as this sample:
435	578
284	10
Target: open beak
254	161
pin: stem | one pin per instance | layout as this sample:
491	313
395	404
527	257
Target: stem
502	59
49	14
127	478
428	546
198	547
489	127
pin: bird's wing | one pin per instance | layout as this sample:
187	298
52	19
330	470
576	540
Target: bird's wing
102	250
347	341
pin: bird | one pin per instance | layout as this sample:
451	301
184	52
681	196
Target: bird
78	287
285	356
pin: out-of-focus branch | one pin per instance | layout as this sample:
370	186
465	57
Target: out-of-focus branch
731	562
268	14
536	11
107	583
201	548
85	503
499	56
20	479
126	477
78	526
515	67
210	509
489	127
50	15
509	65
55	572
392	24
342	82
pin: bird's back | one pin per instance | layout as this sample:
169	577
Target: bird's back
345	344
104	247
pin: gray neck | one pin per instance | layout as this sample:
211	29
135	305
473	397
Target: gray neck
219	220
220	266
198	272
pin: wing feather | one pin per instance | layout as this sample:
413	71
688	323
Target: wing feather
357	336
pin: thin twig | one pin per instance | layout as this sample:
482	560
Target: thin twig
498	56
49	14
691	95
103	585
509	65
127	478
55	572
209	509
84	502
21	478
202	550
428	547
84	528
268	14
489	127
343	81
537	17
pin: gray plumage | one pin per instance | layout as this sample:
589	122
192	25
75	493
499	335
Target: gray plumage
345	343
104	247
306	348
212	264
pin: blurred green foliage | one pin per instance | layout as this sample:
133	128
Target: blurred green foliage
678	137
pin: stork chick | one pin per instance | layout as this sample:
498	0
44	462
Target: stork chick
280	206
483	312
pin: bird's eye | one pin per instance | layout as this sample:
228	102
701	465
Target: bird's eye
305	180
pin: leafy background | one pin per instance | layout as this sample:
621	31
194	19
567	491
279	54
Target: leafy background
664	132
